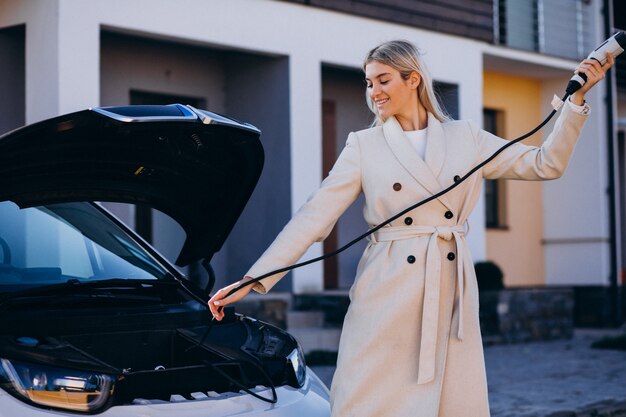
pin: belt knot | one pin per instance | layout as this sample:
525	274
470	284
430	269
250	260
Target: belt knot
444	232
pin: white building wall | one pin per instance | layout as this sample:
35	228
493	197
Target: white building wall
63	66
576	231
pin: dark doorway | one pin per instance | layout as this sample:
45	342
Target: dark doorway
344	110
12	78
329	145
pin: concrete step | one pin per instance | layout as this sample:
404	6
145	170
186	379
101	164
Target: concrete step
299	319
312	338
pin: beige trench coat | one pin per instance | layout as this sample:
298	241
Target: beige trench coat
410	346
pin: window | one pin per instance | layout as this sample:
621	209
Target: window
495	190
563	28
448	96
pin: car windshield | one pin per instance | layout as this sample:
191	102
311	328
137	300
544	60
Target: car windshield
70	241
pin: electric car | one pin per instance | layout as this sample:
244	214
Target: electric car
92	319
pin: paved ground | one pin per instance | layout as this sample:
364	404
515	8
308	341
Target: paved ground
562	378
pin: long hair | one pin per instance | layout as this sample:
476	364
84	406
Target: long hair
406	58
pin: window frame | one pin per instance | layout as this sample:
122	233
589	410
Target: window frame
495	190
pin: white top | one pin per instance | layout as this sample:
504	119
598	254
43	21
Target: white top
418	141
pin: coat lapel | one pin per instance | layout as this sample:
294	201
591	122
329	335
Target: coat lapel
435	146
424	172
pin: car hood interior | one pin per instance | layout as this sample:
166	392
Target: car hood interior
198	167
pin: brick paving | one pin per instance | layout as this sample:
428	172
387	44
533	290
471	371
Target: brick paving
560	378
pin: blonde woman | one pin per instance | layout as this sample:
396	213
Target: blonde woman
411	343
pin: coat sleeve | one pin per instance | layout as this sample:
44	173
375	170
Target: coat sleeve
314	221
525	162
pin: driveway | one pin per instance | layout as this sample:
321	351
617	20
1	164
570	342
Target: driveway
561	378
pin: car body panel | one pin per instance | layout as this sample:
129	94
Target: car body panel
309	401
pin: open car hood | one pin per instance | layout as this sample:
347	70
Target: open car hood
198	167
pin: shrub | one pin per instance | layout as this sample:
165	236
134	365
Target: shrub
489	276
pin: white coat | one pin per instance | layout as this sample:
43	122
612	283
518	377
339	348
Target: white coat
410	346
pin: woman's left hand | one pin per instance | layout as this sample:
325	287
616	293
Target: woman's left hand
594	72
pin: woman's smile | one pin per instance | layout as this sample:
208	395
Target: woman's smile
381	102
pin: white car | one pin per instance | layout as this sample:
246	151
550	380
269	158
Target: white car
92	319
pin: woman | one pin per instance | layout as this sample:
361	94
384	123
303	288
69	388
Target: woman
411	344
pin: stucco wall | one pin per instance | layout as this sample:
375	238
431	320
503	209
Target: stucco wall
251	82
517	249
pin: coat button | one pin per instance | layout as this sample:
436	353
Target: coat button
410	259
397	186
451	256
408	221
448	215
457	178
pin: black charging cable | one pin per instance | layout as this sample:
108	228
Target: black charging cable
215	367
403	212
229	360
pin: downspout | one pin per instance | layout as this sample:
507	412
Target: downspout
614	294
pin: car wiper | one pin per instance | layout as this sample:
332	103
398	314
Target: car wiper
75	299
75	285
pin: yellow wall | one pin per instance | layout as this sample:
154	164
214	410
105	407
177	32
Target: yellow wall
517	250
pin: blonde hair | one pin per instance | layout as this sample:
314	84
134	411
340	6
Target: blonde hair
406	58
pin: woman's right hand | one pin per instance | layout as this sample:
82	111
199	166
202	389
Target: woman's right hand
594	72
220	299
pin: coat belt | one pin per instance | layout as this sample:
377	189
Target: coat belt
432	286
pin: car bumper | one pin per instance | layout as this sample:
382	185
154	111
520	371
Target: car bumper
312	400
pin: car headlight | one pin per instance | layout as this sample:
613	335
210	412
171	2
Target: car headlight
296	358
56	387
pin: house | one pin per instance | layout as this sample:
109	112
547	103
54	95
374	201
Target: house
292	68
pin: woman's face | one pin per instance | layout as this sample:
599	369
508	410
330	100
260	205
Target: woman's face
390	93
